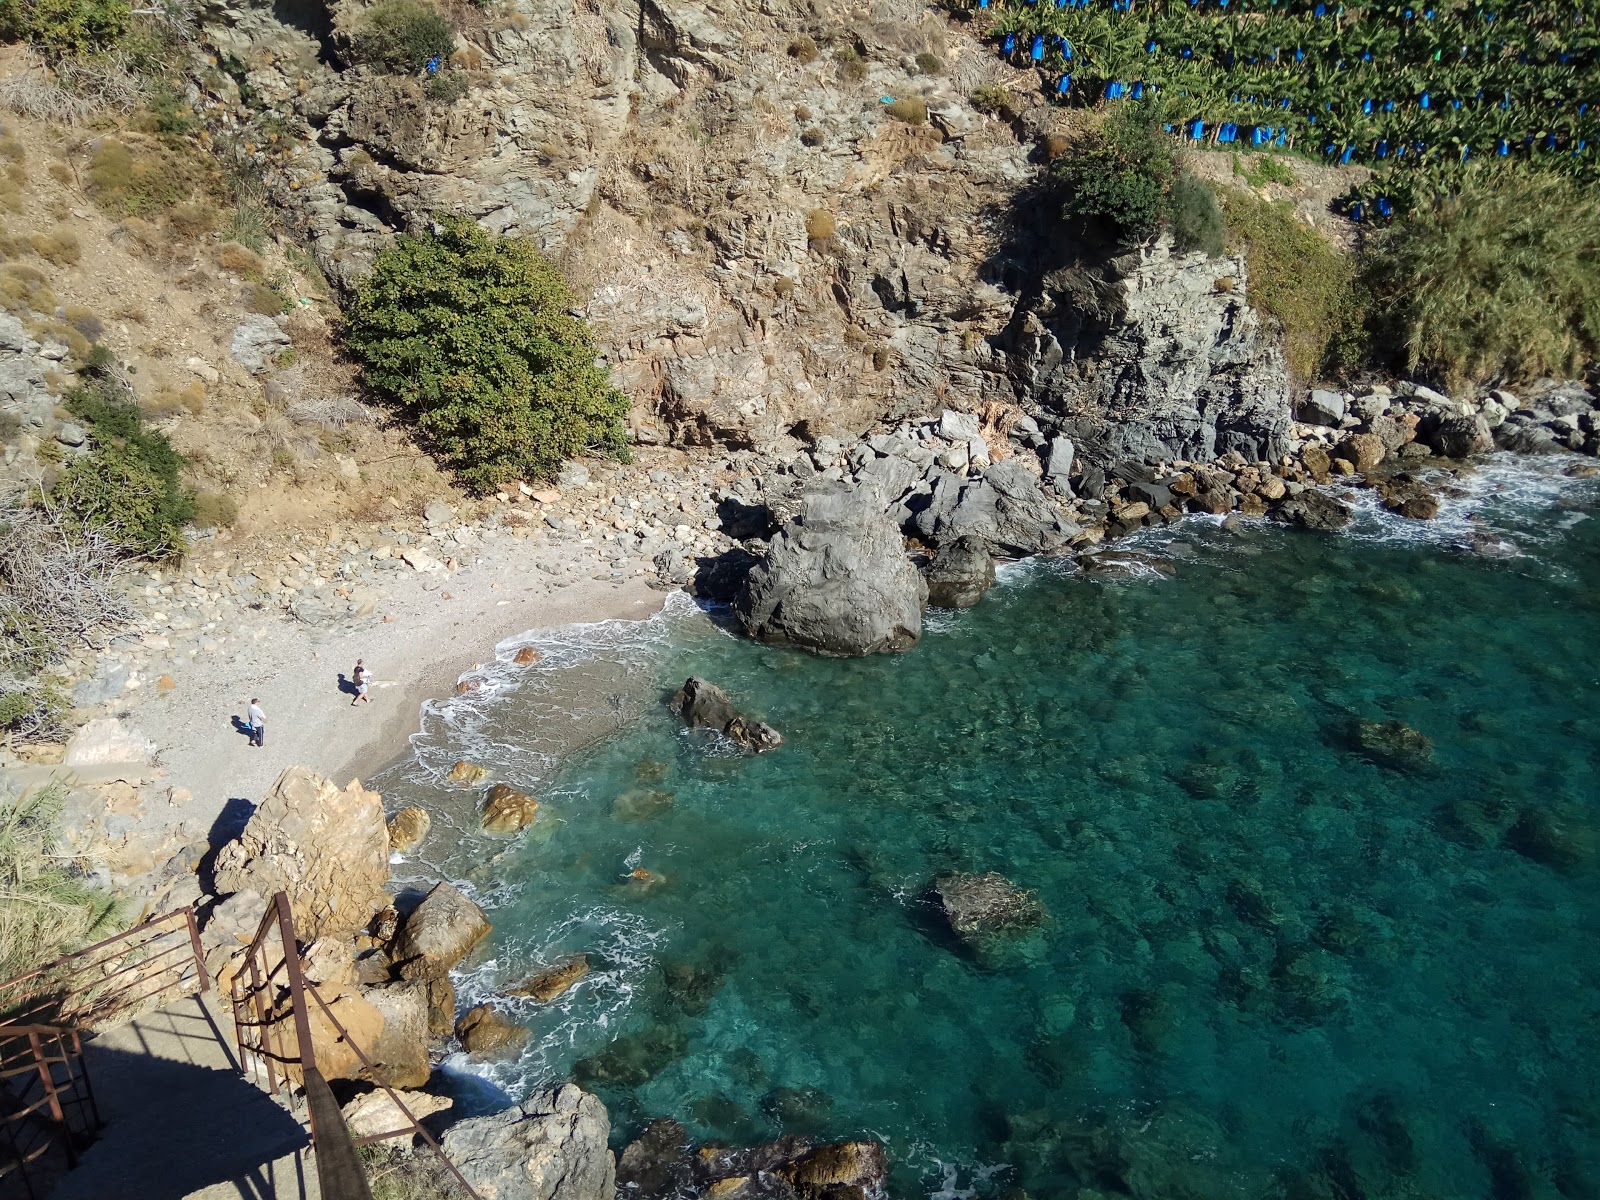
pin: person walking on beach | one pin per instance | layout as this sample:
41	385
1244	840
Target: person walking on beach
359	677
258	723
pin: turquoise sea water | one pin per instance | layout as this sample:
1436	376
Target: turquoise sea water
1275	965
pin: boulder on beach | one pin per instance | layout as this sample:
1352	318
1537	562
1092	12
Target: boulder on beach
836	580
506	810
1316	510
407	828
704	705
981	905
559	977
960	575
465	772
439	933
1006	511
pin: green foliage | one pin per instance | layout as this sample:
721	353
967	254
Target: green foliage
127	485
1262	170
31	710
1117	177
1196	220
851	66
474	335
1500	280
400	36
1297	277
169	113
930	64
46	909
447	87
991	99
64	28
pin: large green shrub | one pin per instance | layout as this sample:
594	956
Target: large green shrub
1117	176
127	485
63	28
1296	276
474	335
1196	220
1501	279
402	35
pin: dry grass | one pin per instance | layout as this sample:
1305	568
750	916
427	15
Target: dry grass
820	225
59	247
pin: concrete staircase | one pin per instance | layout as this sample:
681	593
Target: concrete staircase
181	1122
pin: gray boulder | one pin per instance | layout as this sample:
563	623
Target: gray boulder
1322	407
961	574
256	342
1315	510
1459	437
550	1147
1005	511
836	580
1058	464
704	705
979	906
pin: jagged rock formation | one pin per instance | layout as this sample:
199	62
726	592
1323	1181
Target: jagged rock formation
550	1147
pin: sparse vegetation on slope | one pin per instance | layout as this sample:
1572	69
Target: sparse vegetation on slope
46	909
474	336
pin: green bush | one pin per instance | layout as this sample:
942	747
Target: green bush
475	336
1260	170
400	36
447	87
991	99
31	710
1195	217
64	28
1501	279
930	64
127	485
1117	177
1297	277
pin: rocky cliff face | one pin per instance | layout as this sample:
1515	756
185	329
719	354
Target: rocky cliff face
767	253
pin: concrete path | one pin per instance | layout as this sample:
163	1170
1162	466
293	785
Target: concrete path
181	1122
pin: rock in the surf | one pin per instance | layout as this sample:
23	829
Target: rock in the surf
836	580
486	1032
507	810
1315	510
961	574
439	933
981	905
1393	744
407	828
704	705
556	979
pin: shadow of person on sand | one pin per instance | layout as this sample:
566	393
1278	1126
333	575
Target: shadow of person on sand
348	686
240	725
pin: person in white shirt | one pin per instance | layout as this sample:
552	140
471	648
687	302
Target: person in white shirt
258	723
359	677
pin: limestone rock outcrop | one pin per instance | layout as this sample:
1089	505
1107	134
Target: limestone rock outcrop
552	1146
327	847
836	580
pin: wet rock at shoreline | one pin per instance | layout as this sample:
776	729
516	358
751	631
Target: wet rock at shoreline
1123	563
551	1146
656	1163
1393	744
1316	510
980	905
506	810
407	828
439	933
960	575
704	705
466	773
327	847
836	581
486	1032
526	655
847	1170
553	981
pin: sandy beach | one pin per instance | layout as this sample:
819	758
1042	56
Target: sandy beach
418	653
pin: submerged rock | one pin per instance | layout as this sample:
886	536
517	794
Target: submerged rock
836	581
1393	744
641	804
656	1163
552	1146
1556	838
1123	563
704	705
634	1058
961	574
556	979
978	906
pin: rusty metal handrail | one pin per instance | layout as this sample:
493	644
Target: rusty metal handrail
75	989
261	1028
48	1107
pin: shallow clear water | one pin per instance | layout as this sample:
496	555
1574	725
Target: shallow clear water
1275	965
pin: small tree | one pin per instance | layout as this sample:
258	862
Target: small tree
474	335
401	36
1117	177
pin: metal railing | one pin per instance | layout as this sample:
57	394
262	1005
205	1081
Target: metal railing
46	1099
272	1024
49	1100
